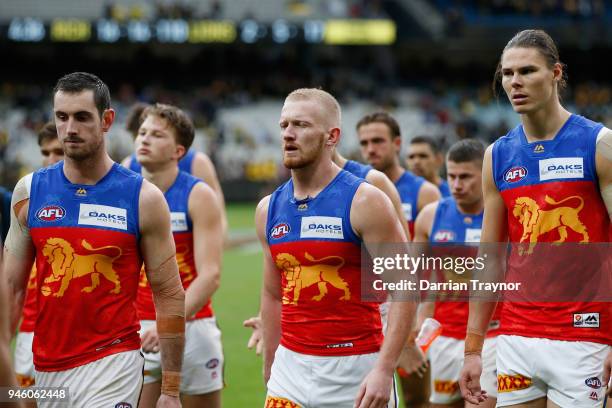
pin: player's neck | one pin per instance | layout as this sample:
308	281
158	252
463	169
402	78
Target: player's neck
88	171
545	123
471	209
163	177
435	179
394	172
309	181
339	160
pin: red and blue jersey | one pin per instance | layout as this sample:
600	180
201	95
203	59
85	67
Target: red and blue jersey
452	226
408	187
551	193
357	169
318	257
177	197
87	261
184	164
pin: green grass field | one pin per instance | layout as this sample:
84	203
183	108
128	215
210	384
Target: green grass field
236	300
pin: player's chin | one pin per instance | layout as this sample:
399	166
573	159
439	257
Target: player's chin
293	163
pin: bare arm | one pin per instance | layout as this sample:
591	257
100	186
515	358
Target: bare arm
19	252
376	231
159	254
270	292
126	162
203	168
378	179
422	231
428	193
205	214
7	377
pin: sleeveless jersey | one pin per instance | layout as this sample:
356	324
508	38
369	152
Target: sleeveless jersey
444	189
318	257
452	226
550	189
357	169
177	197
408	187
184	164
87	261
28	316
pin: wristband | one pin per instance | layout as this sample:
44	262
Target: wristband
171	383
474	341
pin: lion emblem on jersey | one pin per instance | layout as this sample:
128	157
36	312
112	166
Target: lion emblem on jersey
67	265
300	276
537	222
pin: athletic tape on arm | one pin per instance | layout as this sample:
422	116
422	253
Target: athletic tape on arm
604	147
18	240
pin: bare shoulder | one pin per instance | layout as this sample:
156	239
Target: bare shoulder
377	178
261	217
21	197
127	162
368	197
153	207
429	190
202	192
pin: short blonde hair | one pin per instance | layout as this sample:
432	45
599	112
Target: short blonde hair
329	105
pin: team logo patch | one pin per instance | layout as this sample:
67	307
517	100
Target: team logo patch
123	405
51	213
81	192
322	227
515	174
446	387
444	236
509	383
103	216
407	208
538	149
179	221
280	230
561	168
593	382
277	402
212	363
588	320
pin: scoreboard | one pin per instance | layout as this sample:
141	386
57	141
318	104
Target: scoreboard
179	31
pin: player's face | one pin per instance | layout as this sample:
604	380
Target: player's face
51	151
156	142
80	128
303	133
527	79
422	161
377	146
465	181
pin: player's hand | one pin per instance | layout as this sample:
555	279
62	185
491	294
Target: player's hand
150	341
375	389
166	401
469	380
256	339
608	373
412	360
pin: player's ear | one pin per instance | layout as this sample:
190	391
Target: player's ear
557	71
180	151
108	117
333	137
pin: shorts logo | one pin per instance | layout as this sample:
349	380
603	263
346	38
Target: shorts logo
588	320
446	387
509	383
212	363
339	345
561	168
179	221
444	236
594	396
593	382
123	405
280	230
277	402
321	227
407	208
51	213
472	235
515	174
103	216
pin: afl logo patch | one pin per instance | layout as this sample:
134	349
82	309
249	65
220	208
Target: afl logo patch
280	230
123	405
51	213
515	174
212	363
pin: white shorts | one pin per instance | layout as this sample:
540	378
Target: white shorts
112	381
24	364
202	371
301	380
446	360
569	373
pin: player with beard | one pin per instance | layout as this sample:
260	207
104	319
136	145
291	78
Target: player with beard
323	346
425	159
